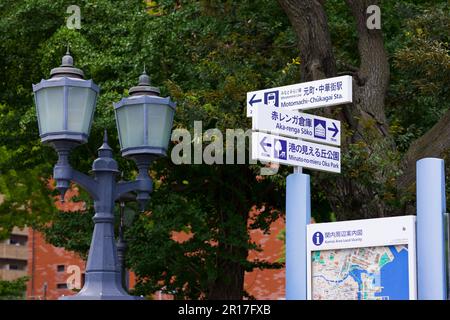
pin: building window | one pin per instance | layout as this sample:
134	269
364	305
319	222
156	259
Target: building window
60	268
13	267
17	240
61	285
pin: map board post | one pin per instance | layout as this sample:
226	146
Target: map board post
431	244
370	259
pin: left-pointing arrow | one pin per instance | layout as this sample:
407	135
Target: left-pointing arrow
264	144
253	100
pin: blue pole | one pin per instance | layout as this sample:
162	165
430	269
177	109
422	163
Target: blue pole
298	215
431	257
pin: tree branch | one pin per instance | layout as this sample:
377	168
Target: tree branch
434	143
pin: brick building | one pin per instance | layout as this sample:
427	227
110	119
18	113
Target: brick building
49	268
267	284
14	255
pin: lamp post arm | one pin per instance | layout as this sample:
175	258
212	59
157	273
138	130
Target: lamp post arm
86	182
63	173
139	185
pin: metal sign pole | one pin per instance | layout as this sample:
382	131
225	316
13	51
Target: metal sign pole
298	170
298	215
277	115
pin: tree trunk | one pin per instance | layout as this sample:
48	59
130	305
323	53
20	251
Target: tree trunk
366	127
378	172
230	282
231	250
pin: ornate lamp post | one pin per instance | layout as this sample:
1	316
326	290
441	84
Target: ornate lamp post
65	105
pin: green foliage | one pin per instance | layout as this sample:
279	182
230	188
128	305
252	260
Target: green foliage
22	200
416	35
184	262
70	230
212	63
206	55
420	82
13	290
282	236
420	78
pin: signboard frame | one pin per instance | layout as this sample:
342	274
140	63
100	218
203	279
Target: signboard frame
379	232
316	156
304	96
297	125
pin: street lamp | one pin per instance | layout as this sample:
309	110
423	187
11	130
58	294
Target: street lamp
65	106
152	135
144	122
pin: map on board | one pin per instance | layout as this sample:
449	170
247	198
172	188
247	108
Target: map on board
374	273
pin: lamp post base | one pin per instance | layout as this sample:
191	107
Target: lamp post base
103	272
101	286
99	297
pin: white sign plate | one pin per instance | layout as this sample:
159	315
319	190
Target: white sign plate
302	96
271	148
372	259
297	125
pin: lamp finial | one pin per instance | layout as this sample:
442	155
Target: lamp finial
144	79
67	69
144	87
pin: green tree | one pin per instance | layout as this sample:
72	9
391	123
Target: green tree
207	55
383	136
14	289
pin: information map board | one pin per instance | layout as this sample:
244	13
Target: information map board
372	259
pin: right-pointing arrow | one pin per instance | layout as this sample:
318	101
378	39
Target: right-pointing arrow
335	129
264	144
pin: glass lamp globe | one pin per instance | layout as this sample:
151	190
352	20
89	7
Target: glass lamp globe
144	120
65	104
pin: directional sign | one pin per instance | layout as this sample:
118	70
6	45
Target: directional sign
297	125
271	148
302	96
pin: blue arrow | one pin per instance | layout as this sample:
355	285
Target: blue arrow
253	100
264	144
335	129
